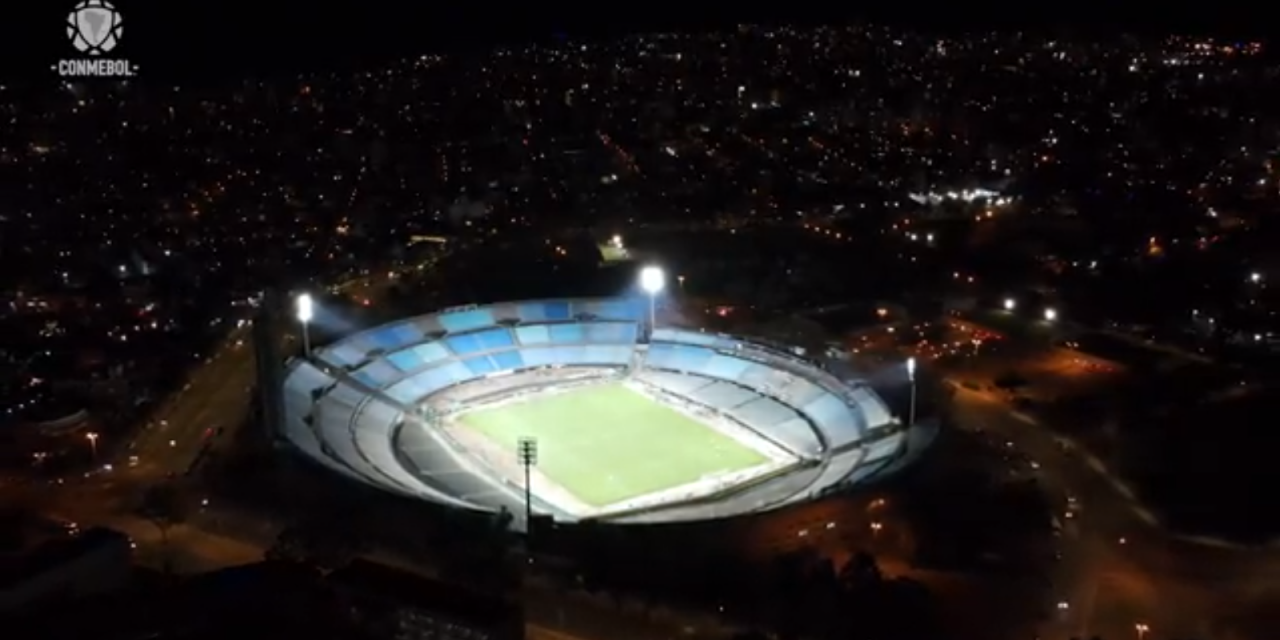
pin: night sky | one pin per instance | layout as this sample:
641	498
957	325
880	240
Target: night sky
195	41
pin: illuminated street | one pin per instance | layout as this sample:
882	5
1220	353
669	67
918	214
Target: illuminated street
1118	569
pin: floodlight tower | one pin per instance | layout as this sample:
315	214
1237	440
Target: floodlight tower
652	280
911	376
527	453
305	308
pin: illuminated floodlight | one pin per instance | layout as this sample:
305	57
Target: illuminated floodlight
305	308
1010	304
617	241
652	279
911	375
1050	314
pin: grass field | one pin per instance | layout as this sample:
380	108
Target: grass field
606	444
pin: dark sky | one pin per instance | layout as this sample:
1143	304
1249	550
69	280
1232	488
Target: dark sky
203	39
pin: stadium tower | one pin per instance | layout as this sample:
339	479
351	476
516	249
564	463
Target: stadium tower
267	330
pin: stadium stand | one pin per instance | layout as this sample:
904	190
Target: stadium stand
843	416
770	418
418	357
347	412
459	321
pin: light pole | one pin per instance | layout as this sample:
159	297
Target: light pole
652	279
527	452
92	437
911	376
305	308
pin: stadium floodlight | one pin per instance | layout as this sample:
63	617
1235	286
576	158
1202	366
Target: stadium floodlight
305	307
652	279
911	376
1010	304
527	453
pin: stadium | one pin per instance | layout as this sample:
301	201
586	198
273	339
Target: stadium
619	420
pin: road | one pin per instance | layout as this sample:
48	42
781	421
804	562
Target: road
215	400
1119	568
218	395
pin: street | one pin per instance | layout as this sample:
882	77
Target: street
1119	571
1120	568
1102	587
216	396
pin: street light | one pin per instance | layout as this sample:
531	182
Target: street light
911	375
305	308
1050	314
92	437
652	279
1010	304
1142	630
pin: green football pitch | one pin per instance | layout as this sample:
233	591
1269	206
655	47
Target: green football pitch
607	443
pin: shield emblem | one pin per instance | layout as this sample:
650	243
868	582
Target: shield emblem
95	25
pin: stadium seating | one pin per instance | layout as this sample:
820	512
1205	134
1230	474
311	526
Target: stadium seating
835	417
843	415
545	311
767	416
561	310
377	374
681	336
301	389
874	412
333	419
372	428
363	449
418	357
394	336
840	423
459	321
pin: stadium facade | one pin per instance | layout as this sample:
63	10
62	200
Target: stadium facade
633	424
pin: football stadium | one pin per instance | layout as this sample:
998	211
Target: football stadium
584	402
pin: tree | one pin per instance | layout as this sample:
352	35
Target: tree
164	507
860	572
